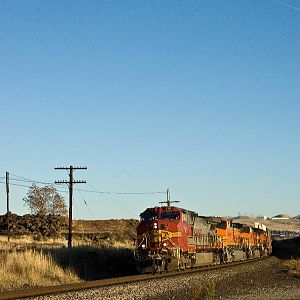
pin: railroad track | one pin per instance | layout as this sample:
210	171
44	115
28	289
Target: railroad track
60	289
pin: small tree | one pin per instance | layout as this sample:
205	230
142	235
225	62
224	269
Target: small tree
45	200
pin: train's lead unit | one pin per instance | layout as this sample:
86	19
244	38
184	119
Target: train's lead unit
171	238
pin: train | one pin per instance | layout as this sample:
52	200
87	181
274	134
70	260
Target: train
173	238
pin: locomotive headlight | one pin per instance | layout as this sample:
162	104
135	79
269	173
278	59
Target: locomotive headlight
155	225
165	244
143	246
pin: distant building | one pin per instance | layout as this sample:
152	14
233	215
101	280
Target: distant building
263	217
282	217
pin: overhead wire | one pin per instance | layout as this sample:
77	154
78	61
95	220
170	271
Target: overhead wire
29	186
34	181
94	190
76	208
115	201
120	193
286	4
95	224
88	208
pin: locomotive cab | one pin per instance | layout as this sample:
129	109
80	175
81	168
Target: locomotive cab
158	238
157	228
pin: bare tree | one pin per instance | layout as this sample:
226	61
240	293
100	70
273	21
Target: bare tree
45	200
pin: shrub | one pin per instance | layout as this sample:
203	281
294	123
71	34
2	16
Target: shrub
293	266
204	292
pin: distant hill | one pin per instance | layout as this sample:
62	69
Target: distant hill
283	216
280	225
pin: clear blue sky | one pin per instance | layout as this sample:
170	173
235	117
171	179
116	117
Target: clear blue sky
202	97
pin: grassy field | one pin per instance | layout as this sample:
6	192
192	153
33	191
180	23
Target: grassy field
79	239
101	249
23	268
19	270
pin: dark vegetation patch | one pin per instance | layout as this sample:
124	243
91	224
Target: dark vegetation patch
92	263
55	226
286	249
37	225
113	230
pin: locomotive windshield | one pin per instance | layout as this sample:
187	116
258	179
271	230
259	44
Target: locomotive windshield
222	225
246	229
170	216
149	216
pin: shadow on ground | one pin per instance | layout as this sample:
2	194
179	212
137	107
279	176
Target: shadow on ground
286	249
92	263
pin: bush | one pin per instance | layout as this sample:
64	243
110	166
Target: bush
204	292
293	266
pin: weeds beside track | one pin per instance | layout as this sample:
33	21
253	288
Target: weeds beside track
28	268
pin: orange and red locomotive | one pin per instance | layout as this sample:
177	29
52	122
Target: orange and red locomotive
169	237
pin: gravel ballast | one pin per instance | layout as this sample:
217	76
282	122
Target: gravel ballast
264	279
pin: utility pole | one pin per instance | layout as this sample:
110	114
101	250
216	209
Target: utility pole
168	199
70	183
7	203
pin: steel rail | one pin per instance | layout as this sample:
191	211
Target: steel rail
60	289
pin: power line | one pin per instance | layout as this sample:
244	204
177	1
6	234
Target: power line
33	181
23	179
28	186
76	208
28	179
97	226
87	205
117	203
16	184
286	4
88	191
121	193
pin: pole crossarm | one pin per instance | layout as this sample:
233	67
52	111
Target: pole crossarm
68	168
66	181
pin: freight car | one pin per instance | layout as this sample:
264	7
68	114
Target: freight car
171	238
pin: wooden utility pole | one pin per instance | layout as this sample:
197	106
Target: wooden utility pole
70	183
7	204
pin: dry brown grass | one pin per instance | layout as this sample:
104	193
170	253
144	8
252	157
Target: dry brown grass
293	266
21	268
204	292
30	268
29	241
